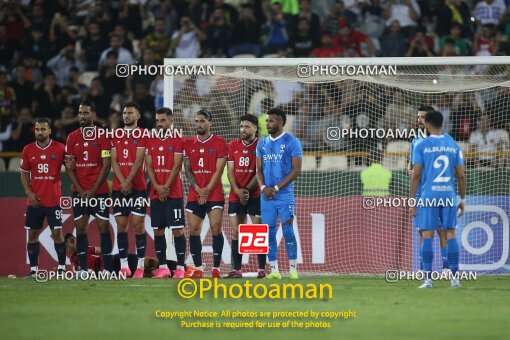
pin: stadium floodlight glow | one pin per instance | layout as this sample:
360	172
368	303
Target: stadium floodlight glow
336	235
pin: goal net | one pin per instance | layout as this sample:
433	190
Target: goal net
340	228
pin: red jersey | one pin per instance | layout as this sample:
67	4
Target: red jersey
95	262
126	155
203	155
244	158
162	152
351	43
88	155
44	165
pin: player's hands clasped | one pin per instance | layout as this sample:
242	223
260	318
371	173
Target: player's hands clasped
162	192
243	195
126	188
269	192
33	199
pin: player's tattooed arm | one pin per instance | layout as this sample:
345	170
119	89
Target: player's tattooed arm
293	174
189	173
140	156
267	191
71	173
240	192
25	182
220	166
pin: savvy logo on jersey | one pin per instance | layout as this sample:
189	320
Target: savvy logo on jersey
253	239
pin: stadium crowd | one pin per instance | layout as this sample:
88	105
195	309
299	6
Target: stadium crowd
47	46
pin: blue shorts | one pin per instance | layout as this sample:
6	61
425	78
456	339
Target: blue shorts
167	214
201	210
135	203
432	218
252	207
35	217
81	210
271	209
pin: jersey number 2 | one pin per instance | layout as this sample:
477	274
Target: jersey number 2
437	164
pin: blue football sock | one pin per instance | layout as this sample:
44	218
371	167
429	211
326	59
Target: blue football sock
427	255
453	254
444	255
290	242
421	261
273	246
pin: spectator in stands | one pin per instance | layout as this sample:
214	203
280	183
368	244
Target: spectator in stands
421	46
370	17
393	43
195	10
45	101
7	48
246	33
166	10
34	70
338	17
218	34
67	123
123	55
302	41
487	139
38	18
499	108
230	12
93	45
36	45
407	12
148	59
461	46
327	49
15	23
61	34
444	105
5	134
107	73
146	102
99	14
62	62
306	125
158	41
483	42
23	88
23	130
305	11
100	98
489	12
124	40
399	115
73	81
464	116
350	42
7	100
276	33
186	41
454	13
114	120
376	179
132	15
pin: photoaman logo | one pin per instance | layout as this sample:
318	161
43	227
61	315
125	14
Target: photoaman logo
253	239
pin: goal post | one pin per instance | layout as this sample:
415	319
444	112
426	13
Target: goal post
343	111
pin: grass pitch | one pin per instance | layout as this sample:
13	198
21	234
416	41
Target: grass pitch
126	310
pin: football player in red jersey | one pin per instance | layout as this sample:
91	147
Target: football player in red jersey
87	166
205	156
245	193
127	157
164	163
40	166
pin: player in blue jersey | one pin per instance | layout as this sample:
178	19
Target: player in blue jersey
437	161
416	220
278	165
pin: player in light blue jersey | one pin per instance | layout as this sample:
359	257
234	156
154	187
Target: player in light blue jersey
278	165
416	220
437	161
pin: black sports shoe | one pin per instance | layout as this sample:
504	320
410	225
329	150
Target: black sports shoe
31	275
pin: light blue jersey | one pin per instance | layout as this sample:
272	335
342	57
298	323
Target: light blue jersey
414	143
276	155
438	156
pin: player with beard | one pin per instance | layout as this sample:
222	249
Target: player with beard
164	162
40	166
129	186
244	196
205	156
87	166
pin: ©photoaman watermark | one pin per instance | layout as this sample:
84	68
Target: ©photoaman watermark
335	133
103	203
374	202
45	276
126	70
91	133
307	70
393	276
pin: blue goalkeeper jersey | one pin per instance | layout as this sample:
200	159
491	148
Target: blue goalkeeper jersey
276	156
438	155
